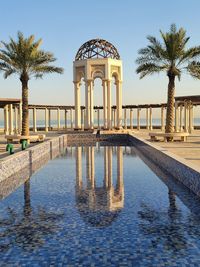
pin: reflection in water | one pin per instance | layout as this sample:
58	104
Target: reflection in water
27	229
99	206
158	227
168	228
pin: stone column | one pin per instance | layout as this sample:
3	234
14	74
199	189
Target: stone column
79	182
82	118
34	120
190	109
49	119
192	117
20	118
186	116
10	119
91	104
176	117
87	104
46	120
105	167
119	103
125	119
16	121
150	119
58	118
138	119
71	118
109	167
162	119
109	104
98	118
131	119
77	105
114	118
65	118
6	120
181	118
105	107
147	118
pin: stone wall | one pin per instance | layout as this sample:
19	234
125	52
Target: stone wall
30	157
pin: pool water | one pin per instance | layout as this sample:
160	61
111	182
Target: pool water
99	206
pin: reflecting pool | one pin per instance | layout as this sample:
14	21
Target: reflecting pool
95	205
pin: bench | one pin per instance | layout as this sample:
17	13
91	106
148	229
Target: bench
31	138
182	135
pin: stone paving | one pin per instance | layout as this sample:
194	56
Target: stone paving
189	150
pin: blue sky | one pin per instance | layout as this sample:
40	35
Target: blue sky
65	25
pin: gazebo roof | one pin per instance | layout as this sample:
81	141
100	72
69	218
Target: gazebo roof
97	48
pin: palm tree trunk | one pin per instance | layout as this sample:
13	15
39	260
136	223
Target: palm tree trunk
25	115
170	105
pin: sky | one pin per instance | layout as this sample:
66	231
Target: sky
64	25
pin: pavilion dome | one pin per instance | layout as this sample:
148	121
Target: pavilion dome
97	48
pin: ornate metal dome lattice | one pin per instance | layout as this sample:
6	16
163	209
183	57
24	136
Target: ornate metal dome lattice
97	48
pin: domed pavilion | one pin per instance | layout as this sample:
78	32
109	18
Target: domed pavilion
97	58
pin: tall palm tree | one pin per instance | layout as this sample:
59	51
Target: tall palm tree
25	58
172	56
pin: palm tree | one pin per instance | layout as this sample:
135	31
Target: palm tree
171	56
25	58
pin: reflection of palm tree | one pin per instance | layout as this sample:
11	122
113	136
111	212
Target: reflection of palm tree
28	230
163	227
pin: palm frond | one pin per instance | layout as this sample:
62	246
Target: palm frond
9	72
149	69
25	56
170	55
194	69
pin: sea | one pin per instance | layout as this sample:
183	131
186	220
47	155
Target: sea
155	122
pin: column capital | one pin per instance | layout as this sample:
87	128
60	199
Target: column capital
77	83
118	82
89	81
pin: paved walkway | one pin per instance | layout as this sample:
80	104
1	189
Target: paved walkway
189	150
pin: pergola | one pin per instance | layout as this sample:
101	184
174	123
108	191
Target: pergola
194	99
186	102
9	101
9	105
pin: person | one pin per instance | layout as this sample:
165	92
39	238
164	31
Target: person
98	133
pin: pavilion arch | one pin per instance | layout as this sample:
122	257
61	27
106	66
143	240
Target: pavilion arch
97	58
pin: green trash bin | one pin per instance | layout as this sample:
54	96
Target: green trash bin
24	144
10	148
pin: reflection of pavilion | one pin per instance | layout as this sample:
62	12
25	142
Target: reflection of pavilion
99	206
